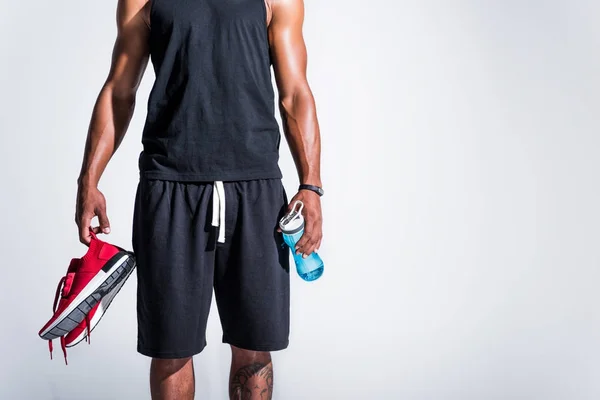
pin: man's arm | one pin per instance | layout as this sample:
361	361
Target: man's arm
298	111
112	112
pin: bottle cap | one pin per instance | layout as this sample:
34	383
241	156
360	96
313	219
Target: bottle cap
293	221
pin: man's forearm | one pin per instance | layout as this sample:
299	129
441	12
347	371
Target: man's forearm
301	128
111	116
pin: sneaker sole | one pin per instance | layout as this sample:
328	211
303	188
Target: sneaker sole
105	280
102	308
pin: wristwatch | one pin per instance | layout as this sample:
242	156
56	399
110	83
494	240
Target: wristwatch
313	188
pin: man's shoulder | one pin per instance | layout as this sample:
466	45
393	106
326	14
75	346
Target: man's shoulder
277	3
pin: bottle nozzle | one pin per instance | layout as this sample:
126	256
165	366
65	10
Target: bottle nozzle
293	215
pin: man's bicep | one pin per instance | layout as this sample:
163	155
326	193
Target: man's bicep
288	48
130	51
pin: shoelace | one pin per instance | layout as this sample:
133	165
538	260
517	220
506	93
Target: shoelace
63	343
62	338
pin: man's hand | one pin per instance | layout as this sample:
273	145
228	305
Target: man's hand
90	203
313	222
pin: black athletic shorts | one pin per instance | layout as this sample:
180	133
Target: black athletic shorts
181	256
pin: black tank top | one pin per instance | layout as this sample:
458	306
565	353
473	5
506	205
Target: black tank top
211	108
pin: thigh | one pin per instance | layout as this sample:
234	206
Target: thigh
174	267
252	282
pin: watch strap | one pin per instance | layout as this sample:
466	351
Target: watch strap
313	188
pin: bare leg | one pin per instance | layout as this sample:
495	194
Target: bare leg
172	379
251	376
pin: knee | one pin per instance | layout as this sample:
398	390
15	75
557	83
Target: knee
250	356
167	367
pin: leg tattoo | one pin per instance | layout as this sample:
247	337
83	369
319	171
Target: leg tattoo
253	381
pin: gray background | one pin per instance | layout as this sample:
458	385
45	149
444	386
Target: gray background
460	159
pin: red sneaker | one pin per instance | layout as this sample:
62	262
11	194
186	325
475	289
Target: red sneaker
87	281
84	329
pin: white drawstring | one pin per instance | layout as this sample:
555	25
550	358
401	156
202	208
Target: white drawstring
219	209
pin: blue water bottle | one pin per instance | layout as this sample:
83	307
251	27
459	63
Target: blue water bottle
292	228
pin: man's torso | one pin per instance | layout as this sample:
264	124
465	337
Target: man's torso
211	108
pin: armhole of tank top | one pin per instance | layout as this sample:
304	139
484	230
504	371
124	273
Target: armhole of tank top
265	13
266	29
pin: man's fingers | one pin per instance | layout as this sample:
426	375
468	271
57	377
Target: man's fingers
310	247
84	229
300	245
104	223
307	243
